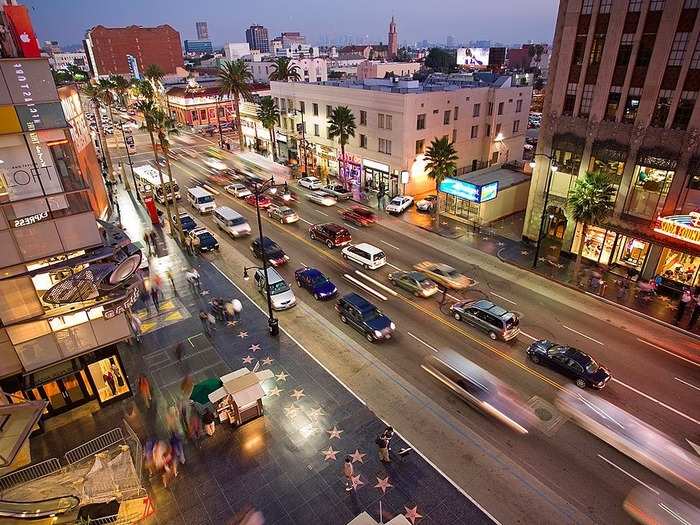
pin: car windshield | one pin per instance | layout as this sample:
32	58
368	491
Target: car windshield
287	211
278	287
452	273
425	283
237	221
592	367
206	198
372	314
396	201
319	279
205	237
556	350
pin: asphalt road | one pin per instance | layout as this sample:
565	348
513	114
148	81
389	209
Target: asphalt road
650	383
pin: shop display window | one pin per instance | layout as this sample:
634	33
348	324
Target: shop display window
679	267
597	245
612	168
648	193
109	379
630	252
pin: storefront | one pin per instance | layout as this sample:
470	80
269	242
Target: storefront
612	249
651	181
377	173
675	265
350	171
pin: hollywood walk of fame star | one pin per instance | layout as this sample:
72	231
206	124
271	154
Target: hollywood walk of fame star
412	514
291	410
297	394
524	252
275	391
231	323
242	335
267	361
329	454
383	484
247	360
334	433
204	292
254	348
356	481
281	376
358	456
316	412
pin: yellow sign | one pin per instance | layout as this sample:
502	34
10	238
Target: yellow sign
9	123
683	227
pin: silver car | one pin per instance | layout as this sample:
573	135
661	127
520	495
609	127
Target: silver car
338	191
281	294
322	198
284	214
498	322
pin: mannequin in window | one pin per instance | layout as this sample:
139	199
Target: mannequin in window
109	379
115	372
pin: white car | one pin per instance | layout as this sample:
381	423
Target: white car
312	183
399	204
321	198
215	164
239	191
427	203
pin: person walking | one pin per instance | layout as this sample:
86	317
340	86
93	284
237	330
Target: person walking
195	245
237	308
388	434
147	242
348	472
179	351
686	298
145	390
169	275
154	241
135	324
188	245
154	297
204	319
229	311
383	447
195	277
211	320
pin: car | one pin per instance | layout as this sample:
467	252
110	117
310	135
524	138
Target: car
399	204
338	191
571	362
364	317
190	153
315	282
427	203
238	190
207	242
331	234
263	201
495	320
370	257
281	295
187	222
173	155
161	162
283	198
415	282
311	183
322	198
214	164
275	255
284	214
445	275
218	178
358	216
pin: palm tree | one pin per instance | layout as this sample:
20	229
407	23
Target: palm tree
284	70
94	93
590	202
121	86
105	86
441	160
153	75
144	89
165	126
341	124
235	84
269	115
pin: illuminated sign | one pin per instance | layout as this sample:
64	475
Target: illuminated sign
33	117
122	306
683	227
22	30
469	191
26	221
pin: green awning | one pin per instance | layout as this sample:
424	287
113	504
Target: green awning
200	391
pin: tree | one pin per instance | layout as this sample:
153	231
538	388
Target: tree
441	60
590	202
154	74
235	84
269	115
403	55
94	94
78	74
144	89
121	86
284	71
341	125
441	160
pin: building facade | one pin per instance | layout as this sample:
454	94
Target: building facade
310	69
258	38
393	47
202	30
62	60
377	69
198	47
236	50
108	49
623	82
395	123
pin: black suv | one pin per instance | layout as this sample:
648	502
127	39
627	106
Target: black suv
364	317
275	254
571	362
330	234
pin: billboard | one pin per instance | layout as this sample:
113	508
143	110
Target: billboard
29	81
476	56
22	30
25	177
468	190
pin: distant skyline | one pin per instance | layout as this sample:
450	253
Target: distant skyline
364	20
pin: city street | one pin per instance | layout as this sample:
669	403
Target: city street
649	380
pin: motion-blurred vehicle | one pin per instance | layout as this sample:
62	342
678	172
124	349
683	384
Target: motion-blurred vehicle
284	214
187	222
190	152
263	201
364	317
479	388
283	198
495	320
315	282
331	234
338	191
570	362
274	254
161	162
231	222
215	152
358	216
311	183
207	242
321	198
399	205
415	282
218	179
238	190
214	164
444	275
659	508
427	203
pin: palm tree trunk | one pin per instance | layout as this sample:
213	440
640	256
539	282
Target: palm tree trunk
162	182
103	138
178	225
437	204
272	143
579	253
343	172
237	103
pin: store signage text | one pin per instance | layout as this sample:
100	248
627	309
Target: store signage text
26	221
124	305
469	191
683	227
350	159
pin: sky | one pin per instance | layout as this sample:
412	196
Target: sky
507	21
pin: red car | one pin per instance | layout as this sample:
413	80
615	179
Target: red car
359	216
330	234
263	201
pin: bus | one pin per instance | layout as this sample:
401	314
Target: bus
147	179
257	167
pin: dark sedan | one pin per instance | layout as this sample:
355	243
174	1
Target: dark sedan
275	255
315	282
570	362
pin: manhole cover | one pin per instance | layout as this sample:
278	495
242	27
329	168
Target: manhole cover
543	414
548	418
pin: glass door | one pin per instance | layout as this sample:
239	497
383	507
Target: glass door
73	390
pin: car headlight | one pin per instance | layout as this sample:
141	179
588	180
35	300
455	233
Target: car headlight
392	326
377	333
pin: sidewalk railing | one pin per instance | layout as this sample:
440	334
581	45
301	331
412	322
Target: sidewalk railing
94	446
30	473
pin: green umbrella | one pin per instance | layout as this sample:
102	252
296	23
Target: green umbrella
200	391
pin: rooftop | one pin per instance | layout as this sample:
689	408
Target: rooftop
505	176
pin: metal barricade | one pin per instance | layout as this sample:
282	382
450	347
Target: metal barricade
30	473
94	446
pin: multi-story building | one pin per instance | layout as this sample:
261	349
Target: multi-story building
310	69
257	38
377	69
62	60
236	50
624	78
292	39
108	49
202	30
397	120
198	47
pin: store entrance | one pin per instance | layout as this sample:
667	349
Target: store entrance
65	393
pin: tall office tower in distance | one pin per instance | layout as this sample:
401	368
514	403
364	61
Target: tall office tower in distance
202	31
257	38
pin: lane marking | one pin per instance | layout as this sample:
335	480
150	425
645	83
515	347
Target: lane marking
421	341
529	336
628	474
351	226
389	244
583	335
501	297
376	283
394	267
319	211
365	287
686	383
660	403
307	222
453	297
669	352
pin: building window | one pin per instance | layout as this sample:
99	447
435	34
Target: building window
500	108
516	126
488	130
518	106
385	146
625	51
656	5
317	131
475	132
612	105
302	107
680	43
632	105
684	110
586	99
569	99
498	128
446	117
587	7
695	61
646	48
490	109
363	118
648	192
691	4
454	135
363	141
420	121
420	145
387	121
329	109
596	49
477	110
380	120
663	106
315	108
635	6
605	6
456	112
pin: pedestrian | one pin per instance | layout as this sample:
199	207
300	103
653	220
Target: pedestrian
188	245
209	425
186	385
212	322
383	447
154	242
195	276
145	390
622	288
179	351
154	297
169	275
229	311
177	448
135	324
686	298
237	307
204	318
195	245
147	241
388	434
348	472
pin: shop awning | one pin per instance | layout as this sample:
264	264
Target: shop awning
200	391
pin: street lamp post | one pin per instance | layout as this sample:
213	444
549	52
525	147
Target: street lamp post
303	138
218	121
131	164
551	170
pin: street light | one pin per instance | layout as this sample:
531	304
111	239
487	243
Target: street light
551	170
303	137
258	190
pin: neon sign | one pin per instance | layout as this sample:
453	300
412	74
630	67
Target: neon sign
469	191
683	227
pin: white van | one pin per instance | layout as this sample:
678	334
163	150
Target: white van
231	221
370	257
201	200
281	294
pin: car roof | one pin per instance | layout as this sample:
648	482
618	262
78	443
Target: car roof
418	276
312	272
201	231
358	302
321	192
310	178
580	357
368	247
331	226
443	267
284	208
491	308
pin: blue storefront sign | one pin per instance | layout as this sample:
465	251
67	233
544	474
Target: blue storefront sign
469	191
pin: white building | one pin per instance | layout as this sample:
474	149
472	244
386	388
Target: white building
297	51
397	120
63	60
310	69
379	69
236	50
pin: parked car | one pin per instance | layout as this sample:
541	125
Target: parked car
338	191
427	203
573	363
275	255
364	317
415	282
445	275
399	204
281	295
187	222
331	234
263	201
321	198
315	282
359	216
238	190
207	242
312	183
284	214
495	320
370	257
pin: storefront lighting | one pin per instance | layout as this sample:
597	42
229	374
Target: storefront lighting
554	168
533	164
499	137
